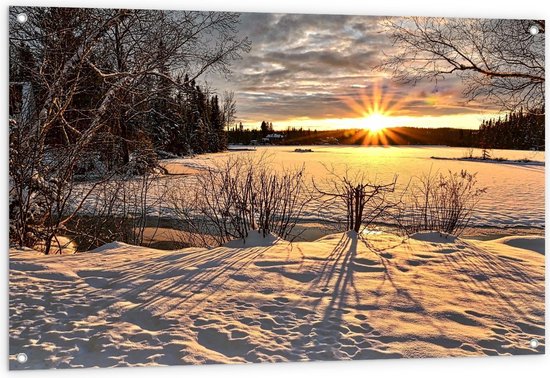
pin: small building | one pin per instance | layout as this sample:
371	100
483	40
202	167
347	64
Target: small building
21	102
273	138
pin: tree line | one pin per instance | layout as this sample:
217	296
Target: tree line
390	136
516	130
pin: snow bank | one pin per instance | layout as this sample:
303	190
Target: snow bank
434	237
254	239
532	243
111	246
339	297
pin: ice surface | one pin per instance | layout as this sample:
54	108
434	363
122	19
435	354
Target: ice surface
515	192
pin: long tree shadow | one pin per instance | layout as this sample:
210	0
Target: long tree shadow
334	279
337	280
388	267
513	290
159	283
485	269
334	338
204	275
344	278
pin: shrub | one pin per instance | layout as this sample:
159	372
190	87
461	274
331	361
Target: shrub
240	195
440	202
363	202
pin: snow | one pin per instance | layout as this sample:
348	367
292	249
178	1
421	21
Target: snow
434	237
514	197
112	245
335	298
532	243
525	162
254	238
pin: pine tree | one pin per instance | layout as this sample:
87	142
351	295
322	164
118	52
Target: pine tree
518	130
264	128
218	131
199	136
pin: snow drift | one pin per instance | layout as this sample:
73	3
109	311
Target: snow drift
336	298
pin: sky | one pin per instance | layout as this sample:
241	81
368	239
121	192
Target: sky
319	72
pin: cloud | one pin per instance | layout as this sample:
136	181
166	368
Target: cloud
305	66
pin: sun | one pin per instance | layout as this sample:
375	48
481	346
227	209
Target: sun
375	122
375	105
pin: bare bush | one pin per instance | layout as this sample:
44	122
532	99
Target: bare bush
241	195
119	209
363	201
469	153
440	202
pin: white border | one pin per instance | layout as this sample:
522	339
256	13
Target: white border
519	366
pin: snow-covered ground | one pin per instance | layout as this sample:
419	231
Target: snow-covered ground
515	192
267	300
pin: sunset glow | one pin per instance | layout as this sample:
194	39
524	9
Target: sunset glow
375	106
466	121
305	71
375	122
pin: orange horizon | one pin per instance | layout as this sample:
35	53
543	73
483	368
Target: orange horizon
377	108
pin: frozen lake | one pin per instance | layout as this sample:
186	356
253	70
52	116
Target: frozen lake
515	192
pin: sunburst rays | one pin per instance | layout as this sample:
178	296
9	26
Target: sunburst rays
375	106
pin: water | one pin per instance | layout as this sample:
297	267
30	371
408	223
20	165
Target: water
514	197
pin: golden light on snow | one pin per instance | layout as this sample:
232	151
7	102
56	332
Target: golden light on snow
431	295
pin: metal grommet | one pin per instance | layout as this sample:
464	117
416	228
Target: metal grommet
22	358
22	18
534	30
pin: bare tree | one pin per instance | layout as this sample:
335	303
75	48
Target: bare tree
114	53
364	201
497	60
47	200
229	108
42	191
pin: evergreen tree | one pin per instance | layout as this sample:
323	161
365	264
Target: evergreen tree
517	130
264	128
217	123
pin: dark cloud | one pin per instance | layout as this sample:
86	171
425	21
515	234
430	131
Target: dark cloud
304	66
